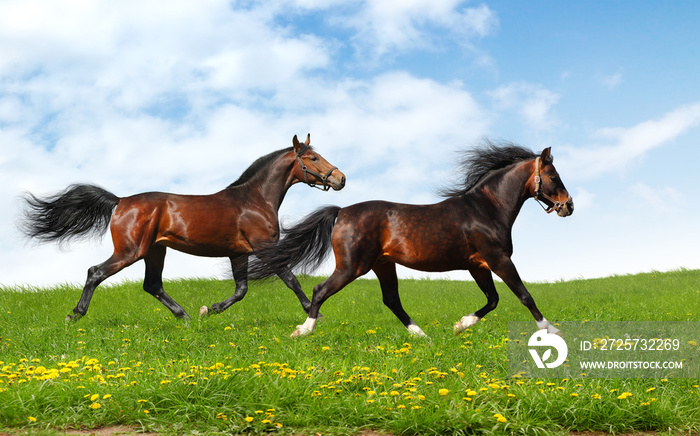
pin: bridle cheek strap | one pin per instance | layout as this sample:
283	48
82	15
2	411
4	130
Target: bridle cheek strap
306	171
539	195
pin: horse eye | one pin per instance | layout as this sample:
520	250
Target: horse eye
313	158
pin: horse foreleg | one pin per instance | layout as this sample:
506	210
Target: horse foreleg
484	280
239	266
507	272
386	273
153	282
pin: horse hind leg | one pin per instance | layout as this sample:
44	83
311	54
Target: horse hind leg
388	281
153	282
293	283
337	281
239	266
484	280
96	275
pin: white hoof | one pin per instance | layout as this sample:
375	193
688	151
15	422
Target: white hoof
544	324
414	330
301	331
203	311
465	323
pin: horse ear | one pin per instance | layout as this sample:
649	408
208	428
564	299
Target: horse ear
308	139
295	143
546	155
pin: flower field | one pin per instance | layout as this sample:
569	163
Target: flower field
128	362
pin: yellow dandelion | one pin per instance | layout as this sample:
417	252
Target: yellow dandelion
500	418
95	406
574	394
93	397
624	395
106	396
443	392
249	419
31	419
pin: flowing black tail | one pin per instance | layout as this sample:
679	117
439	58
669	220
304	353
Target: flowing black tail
302	247
78	212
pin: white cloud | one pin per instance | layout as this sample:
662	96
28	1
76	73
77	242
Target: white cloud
612	81
661	200
532	102
390	26
627	145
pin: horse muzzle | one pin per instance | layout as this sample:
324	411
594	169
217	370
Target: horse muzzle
565	208
336	180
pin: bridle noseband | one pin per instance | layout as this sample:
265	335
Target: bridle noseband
306	170
539	195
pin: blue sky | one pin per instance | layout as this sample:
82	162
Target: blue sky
182	96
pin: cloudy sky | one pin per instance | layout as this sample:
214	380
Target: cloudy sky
182	96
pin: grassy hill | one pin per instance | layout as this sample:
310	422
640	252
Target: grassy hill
128	362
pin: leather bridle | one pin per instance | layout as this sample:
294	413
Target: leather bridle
539	195
306	171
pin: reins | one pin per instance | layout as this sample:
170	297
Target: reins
306	170
539	195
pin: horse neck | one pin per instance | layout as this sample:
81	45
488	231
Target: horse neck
508	189
270	184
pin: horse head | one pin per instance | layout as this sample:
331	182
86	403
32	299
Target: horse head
313	164
548	187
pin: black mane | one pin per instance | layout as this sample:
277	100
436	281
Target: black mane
482	160
258	165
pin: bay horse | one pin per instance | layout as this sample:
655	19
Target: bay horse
231	223
470	229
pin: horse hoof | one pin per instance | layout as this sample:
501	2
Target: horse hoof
414	330
73	318
301	331
203	311
465	323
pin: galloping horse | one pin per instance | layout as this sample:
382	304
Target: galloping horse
231	223
469	230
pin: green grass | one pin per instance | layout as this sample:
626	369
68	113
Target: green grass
128	362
